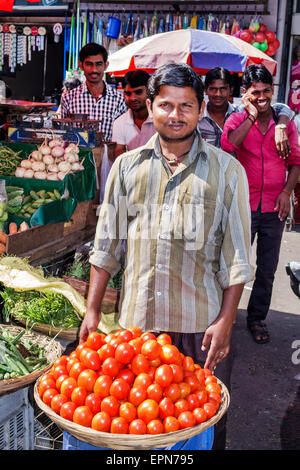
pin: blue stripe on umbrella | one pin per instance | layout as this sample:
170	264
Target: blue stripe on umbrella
221	52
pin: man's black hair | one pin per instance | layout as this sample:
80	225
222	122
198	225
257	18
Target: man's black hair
136	78
256	73
217	73
178	75
92	49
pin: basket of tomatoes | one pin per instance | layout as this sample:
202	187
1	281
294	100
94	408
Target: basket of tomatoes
130	390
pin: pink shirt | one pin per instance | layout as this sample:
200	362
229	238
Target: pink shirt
266	172
126	132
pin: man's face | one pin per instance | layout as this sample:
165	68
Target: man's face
175	113
135	98
93	68
218	93
260	95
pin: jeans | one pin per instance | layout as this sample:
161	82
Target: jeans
269	229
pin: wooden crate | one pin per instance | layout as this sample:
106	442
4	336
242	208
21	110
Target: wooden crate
84	214
35	237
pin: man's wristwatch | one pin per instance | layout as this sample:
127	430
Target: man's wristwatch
280	126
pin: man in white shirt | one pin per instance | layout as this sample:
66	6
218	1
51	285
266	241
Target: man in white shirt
133	128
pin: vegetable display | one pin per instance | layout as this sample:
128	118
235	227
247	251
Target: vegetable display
32	202
130	382
19	356
39	307
51	161
9	160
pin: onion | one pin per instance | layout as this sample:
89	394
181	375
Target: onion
53	168
38	166
48	159
45	149
28	173
19	173
40	175
37	155
56	142
64	166
52	177
57	151
71	157
26	164
75	166
72	148
61	175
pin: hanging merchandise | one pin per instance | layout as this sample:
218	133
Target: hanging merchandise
161	25
57	30
146	31
137	29
194	21
185	21
99	38
153	24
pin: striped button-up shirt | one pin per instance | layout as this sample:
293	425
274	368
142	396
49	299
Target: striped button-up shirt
106	109
187	235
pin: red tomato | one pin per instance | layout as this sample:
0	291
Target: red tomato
193	382
151	349
171	424
155	392
143	380
202	396
180	406
128	411
119	389
214	398
111	367
67	410
109	337
139	364
110	405
166	408
59	370
87	379
213	387
155	426
173	392
71	363
147	335
101	422
148	410
193	401
137	395
83	416
127	375
164	338
169	354
115	341
106	351
48	395
79	349
79	395
76	369
210	409
68	386
124	353
207	372
126	335
57	402
90	358
137	426
163	375
93	401
136	343
155	362
186	419
135	330
95	340
188	364
119	425
200	415
211	379
200	376
177	373
60	361
45	384
185	389
102	385
60	380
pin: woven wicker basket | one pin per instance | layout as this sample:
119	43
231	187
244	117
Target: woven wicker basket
132	442
53	349
69	334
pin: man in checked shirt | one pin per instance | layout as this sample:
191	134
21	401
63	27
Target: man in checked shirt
182	206
94	98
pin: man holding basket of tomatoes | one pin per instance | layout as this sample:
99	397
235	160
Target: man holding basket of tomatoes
182	208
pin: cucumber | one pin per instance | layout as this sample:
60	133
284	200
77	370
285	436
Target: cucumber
34	195
57	194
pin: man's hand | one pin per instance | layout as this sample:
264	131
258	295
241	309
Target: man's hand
89	324
283	205
248	106
282	142
217	339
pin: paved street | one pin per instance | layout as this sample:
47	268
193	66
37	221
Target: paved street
264	413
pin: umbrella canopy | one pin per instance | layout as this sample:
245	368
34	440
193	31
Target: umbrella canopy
203	50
